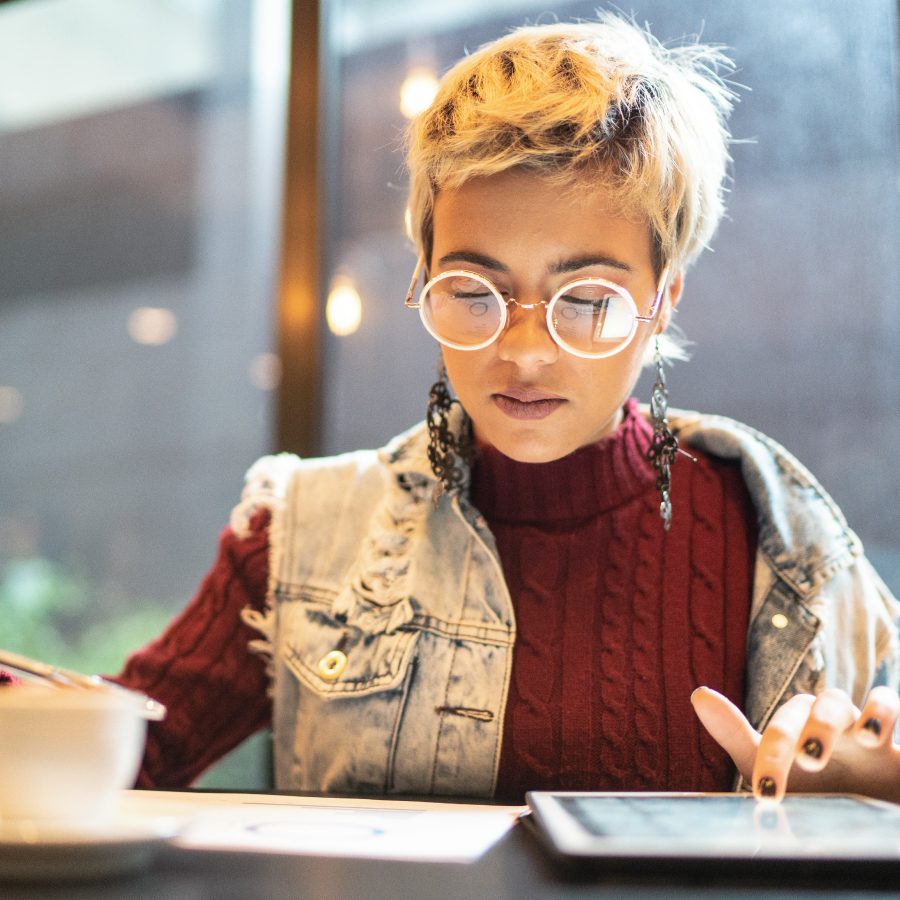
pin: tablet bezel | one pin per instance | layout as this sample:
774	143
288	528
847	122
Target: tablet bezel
564	835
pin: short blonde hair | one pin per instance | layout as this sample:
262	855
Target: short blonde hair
597	99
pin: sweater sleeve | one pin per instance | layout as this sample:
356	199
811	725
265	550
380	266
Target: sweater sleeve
213	686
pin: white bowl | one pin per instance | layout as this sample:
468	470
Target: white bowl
66	753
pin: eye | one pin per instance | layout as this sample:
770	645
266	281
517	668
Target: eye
475	296
463	288
571	306
589	292
462	294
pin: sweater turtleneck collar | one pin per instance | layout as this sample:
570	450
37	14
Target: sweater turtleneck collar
591	480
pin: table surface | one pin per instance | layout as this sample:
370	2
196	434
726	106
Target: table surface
515	867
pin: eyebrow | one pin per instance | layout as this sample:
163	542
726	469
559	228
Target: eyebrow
558	268
585	262
476	259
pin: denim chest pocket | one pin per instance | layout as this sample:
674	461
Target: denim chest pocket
360	650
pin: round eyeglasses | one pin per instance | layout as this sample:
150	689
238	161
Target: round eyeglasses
588	317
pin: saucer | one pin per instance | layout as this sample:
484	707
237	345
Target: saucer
45	851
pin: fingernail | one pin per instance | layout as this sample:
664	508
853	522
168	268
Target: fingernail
874	725
766	786
813	748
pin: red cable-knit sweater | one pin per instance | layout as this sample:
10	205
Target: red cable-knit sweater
617	622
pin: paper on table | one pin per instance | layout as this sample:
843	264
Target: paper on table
380	829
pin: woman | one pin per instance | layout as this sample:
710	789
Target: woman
524	591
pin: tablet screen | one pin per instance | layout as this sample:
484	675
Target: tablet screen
803	826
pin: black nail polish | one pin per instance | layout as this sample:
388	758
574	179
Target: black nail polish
874	725
766	786
813	748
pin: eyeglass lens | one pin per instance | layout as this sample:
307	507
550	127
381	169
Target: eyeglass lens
590	318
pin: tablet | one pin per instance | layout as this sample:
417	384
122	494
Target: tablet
686	829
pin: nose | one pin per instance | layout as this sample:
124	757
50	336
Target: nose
526	341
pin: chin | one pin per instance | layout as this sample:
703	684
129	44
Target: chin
526	451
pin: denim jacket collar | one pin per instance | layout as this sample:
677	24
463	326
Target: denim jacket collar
802	532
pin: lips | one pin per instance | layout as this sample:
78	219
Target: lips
527	403
527	395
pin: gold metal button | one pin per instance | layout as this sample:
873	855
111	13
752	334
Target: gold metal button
332	664
779	620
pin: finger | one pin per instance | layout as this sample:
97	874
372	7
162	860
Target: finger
777	747
876	722
728	727
831	715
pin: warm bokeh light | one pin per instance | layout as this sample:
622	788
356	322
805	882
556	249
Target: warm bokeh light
407	223
264	371
343	309
152	325
417	91
10	404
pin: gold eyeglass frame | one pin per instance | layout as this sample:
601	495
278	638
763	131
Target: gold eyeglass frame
409	303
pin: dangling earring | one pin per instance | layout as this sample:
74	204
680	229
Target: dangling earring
664	445
450	454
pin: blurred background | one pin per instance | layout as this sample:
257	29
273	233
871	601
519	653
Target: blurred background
202	260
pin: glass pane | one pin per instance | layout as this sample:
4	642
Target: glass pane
140	155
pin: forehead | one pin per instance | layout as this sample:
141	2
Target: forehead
519	214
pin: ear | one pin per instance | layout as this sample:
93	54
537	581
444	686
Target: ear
671	297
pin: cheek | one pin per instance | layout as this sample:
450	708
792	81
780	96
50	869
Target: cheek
611	375
462	369
637	355
448	361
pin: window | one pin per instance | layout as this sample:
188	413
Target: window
140	200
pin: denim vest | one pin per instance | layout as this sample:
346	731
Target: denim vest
389	627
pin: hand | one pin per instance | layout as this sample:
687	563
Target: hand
821	743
